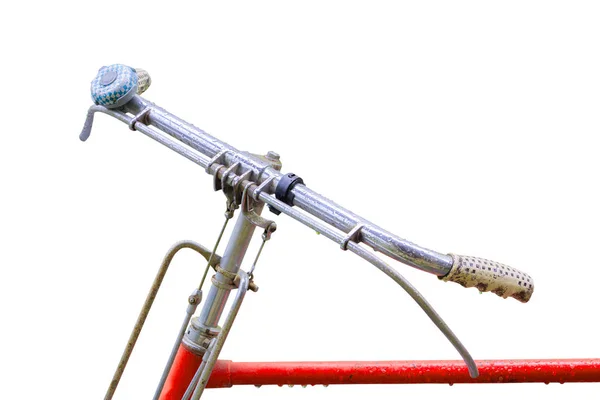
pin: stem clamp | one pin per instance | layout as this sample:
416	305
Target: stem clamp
352	236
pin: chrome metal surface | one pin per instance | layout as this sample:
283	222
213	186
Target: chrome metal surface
198	337
264	185
204	327
324	209
213	354
306	199
352	235
231	262
188	153
228	216
379	239
141	117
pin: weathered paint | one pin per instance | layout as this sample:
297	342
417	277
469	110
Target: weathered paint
228	373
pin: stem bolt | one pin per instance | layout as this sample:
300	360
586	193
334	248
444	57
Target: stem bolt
271	155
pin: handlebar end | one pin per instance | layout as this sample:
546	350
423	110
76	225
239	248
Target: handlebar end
490	276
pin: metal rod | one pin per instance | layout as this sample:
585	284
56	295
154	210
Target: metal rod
386	269
230	262
216	350
227	218
137	328
228	373
421	301
190	154
308	200
193	302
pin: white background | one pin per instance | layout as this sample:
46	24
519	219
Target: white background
464	126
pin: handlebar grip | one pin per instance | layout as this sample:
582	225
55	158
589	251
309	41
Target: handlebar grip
490	276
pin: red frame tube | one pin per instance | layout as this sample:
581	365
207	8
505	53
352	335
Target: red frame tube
228	373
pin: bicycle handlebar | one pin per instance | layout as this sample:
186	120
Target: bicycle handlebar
115	91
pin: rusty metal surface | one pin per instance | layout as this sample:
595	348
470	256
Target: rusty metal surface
139	324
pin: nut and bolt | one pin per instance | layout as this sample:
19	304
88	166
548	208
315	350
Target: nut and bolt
271	155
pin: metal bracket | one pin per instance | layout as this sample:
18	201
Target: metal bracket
229	190
236	184
141	117
352	235
200	379
216	180
216	159
230	276
262	187
234	280
252	217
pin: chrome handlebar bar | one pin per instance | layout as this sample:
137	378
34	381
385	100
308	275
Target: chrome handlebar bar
205	150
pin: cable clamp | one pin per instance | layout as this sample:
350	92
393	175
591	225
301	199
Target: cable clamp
141	117
286	183
353	235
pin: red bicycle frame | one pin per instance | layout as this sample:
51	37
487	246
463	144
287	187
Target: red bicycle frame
228	373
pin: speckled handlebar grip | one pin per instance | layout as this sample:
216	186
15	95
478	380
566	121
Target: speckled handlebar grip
490	276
